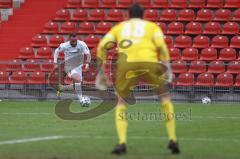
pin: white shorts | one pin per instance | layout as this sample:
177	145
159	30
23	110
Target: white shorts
77	70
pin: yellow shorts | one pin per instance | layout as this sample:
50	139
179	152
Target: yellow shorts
128	75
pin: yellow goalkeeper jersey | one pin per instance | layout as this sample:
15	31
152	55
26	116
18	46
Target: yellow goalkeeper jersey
137	38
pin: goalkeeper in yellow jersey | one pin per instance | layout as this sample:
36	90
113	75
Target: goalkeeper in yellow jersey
138	43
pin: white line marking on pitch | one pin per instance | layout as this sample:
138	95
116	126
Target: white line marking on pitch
27	140
26	113
18	141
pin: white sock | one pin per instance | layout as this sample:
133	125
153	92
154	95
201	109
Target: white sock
78	90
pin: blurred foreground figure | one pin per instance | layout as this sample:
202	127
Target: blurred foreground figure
138	42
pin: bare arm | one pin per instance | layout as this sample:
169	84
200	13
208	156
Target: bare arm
86	52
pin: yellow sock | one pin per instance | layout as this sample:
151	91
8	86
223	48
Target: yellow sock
121	123
168	111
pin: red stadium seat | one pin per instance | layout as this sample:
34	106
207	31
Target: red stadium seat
235	42
80	37
97	15
185	79
219	41
197	67
193	28
168	15
108	4
124	3
174	53
233	67
173	80
91	3
6	4
237	82
208	54
90	76
204	15
103	27
55	41
74	4
214	3
160	4
190	54
212	28
168	41
196	4
62	15
14	65
68	80
115	15
47	66
18	77
205	79
162	26
179	66
224	80
50	28
4	77
44	53
230	28
68	28
227	54
201	41
86	28
93	53
91	40
144	3
31	66
151	15
175	28
3	66
183	41
178	4
222	15
79	15
216	67
112	54
37	78
54	78
39	41
186	15
26	53
236	15
232	4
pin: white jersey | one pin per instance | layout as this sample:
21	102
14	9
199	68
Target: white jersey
73	56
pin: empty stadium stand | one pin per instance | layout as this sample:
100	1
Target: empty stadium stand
202	36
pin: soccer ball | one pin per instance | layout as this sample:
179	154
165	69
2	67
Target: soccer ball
206	100
85	101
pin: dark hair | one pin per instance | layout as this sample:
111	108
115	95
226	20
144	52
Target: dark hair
72	35
136	11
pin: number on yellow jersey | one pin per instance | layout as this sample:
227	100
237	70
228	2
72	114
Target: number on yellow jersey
133	30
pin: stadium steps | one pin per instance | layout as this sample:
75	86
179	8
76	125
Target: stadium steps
25	23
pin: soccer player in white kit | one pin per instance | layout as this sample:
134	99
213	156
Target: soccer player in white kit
74	51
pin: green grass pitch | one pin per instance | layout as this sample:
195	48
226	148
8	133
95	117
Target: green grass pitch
32	130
